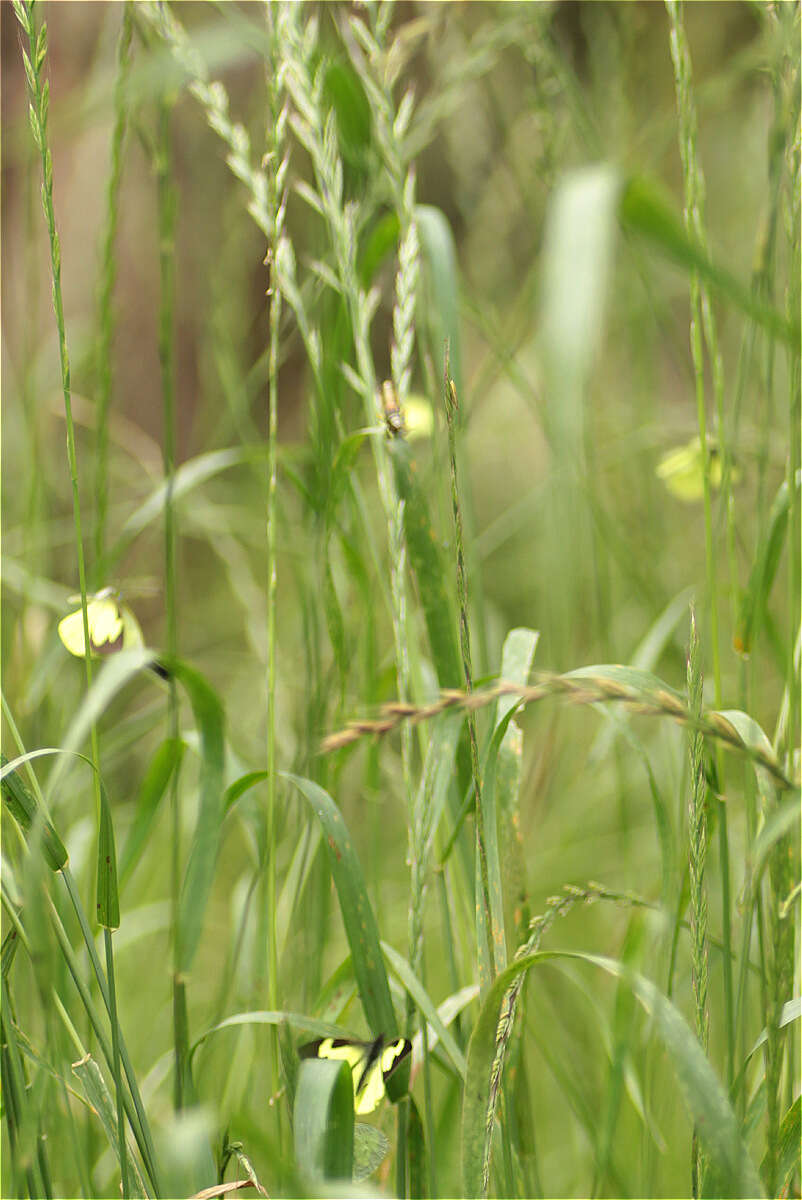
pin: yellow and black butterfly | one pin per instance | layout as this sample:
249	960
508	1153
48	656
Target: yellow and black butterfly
372	1064
112	626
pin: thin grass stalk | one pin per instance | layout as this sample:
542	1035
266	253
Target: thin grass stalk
39	94
697	854
277	164
39	91
371	62
115	1052
134	1108
108	273
702	322
763	285
786	855
451	405
166	215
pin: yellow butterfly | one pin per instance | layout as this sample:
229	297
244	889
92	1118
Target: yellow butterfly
112	626
372	1064
682	470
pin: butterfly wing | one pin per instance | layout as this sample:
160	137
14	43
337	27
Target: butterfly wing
110	627
371	1064
382	1061
356	1054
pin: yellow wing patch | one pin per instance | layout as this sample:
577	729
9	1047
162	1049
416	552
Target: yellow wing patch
371	1065
111	627
682	470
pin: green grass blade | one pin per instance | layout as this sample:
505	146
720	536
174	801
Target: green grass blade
416	1153
577	258
787	1159
644	210
97	1093
153	787
189	475
491	831
208	713
517	656
110	679
764	569
309	1025
426	1005
428	563
358	917
108	899
324	1119
439	256
28	815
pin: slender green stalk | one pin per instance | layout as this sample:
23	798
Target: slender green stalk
39	93
465	646
136	1110
697	854
108	272
166	236
702	321
115	1052
277	163
39	90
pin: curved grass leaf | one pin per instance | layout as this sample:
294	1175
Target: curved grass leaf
787	1161
101	1103
324	1119
440	268
438	771
517	656
188	476
631	677
702	1091
108	898
113	675
577	255
242	785
780	823
382	238
490	819
644	210
755	739
199	873
166	760
644	657
761	577
427	561
343	90
26	812
266	1017
358	918
426	1005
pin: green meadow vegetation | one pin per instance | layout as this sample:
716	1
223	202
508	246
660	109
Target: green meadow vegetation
403	402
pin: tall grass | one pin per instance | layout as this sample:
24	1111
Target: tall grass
414	693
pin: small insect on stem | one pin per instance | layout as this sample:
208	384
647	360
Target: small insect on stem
393	416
